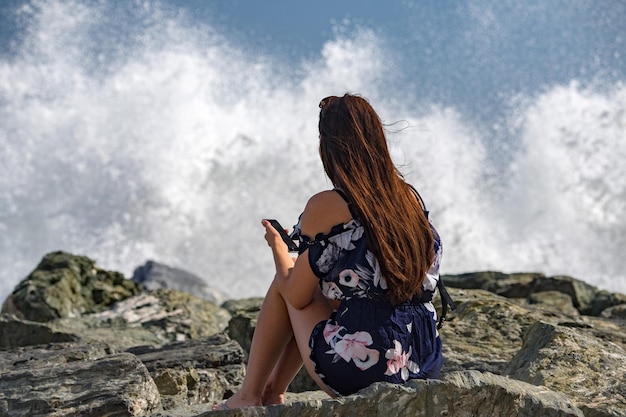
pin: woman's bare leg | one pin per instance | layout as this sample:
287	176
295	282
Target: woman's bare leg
271	336
303	321
283	373
272	352
292	360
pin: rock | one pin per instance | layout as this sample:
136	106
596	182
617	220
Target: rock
518	344
54	354
184	373
193	372
487	280
65	285
153	276
555	301
486	330
243	321
172	315
605	299
586	298
588	369
460	394
615	312
234	307
155	318
500	396
29	333
489	333
117	384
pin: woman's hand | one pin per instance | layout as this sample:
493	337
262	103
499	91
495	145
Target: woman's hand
283	261
273	239
295	280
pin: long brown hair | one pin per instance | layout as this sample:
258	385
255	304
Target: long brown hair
354	152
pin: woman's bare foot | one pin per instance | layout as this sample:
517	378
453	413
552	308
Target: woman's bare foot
220	406
239	400
271	399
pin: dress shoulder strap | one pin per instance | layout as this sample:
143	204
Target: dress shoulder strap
342	194
420	200
345	198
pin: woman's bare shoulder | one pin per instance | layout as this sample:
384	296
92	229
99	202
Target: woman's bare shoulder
324	198
323	211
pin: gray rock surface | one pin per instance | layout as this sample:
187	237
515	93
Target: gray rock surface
154	275
518	345
116	384
194	372
243	320
589	369
155	318
66	285
171	316
29	333
586	298
460	394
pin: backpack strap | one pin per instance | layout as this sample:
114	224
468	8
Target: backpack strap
446	300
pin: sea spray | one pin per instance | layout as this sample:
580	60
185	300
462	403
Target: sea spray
171	142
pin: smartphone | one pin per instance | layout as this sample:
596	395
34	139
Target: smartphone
291	245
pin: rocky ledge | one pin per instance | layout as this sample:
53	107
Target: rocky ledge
78	340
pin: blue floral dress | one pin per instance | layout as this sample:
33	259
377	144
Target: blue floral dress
367	339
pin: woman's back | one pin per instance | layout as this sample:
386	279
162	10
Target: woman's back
368	339
354	152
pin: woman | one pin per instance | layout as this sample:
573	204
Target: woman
354	307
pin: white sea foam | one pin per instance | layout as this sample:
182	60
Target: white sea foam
172	142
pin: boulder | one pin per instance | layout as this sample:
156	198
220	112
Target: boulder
586	298
154	275
53	354
183	374
194	372
605	300
243	320
486	330
494	334
169	314
555	301
460	394
615	312
588	369
151	318
74	300
154	319
66	285
518	345
18	333
117	384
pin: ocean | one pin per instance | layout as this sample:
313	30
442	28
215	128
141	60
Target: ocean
130	131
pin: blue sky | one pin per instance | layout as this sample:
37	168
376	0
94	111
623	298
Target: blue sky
292	26
467	53
464	52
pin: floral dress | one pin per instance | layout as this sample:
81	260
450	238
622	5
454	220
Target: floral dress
367	339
